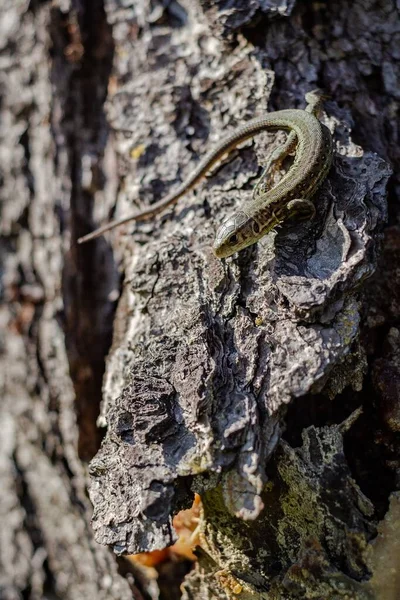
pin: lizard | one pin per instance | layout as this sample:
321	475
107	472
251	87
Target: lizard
268	207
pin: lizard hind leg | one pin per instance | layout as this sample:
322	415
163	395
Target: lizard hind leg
273	164
315	100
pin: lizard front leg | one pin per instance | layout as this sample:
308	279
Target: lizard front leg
302	208
276	157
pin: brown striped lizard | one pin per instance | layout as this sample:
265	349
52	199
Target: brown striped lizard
267	207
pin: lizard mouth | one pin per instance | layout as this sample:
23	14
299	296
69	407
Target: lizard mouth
221	252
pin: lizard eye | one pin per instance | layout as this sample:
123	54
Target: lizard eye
233	239
256	227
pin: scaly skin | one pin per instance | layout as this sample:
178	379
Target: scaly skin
291	195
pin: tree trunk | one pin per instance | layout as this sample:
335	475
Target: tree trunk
267	382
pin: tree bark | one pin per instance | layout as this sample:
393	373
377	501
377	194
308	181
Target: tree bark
268	382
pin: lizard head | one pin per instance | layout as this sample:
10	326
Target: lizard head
236	232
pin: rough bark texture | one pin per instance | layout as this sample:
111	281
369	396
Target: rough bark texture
238	379
56	318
